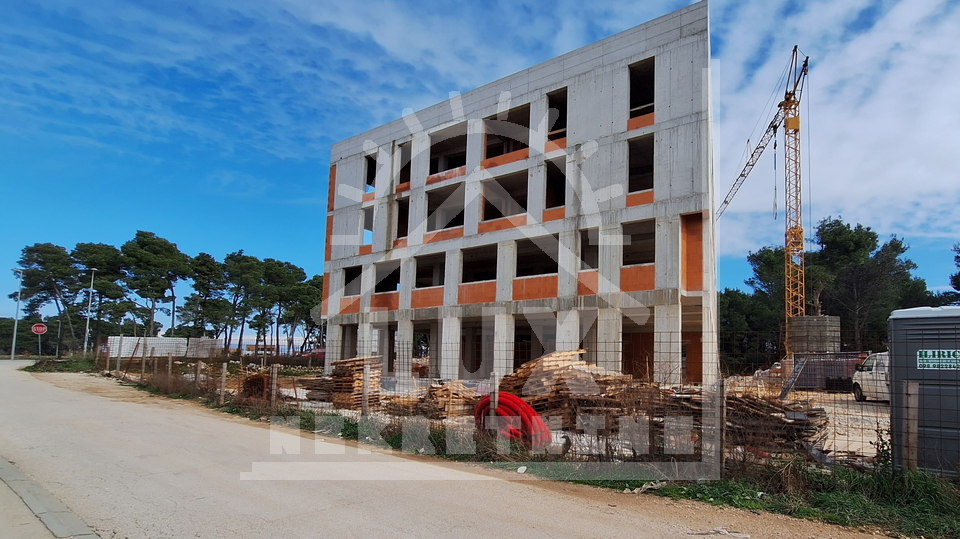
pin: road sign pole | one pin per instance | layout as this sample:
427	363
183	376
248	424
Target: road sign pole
39	349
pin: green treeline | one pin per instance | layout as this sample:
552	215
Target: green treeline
134	288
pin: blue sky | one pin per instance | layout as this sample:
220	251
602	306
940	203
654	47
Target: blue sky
210	123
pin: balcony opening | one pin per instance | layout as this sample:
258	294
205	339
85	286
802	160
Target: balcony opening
405	158
639	242
640	176
504	196
507	133
641	87
403	217
351	280
367	229
538	256
430	270
448	149
556	184
445	207
388	277
557	105
370	182
589	249
479	264
533	336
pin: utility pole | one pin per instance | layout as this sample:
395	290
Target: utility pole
16	320
86	334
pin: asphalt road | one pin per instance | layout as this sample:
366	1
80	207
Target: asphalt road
135	466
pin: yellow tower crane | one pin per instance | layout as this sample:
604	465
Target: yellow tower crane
787	115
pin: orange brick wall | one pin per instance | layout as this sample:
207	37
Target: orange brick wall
503	223
691	230
327	249
427	297
445	234
385	301
635	278
511	157
553	214
485	292
350	305
588	282
640	121
553	145
332	187
641	198
446	175
535	287
325	295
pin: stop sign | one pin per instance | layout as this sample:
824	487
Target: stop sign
38	329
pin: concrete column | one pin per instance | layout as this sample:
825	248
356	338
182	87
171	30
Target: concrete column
474	144
503	335
365	339
667	255
368	280
609	335
419	159
408	273
667	361
506	270
451	278
403	348
334	342
382	237
536	187
434	350
611	258
568	330
450	349
418	217
569	264
472	198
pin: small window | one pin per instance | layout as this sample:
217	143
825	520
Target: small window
388	277
556	184
448	149
639	242
504	196
351	280
405	158
403	217
507	133
370	183
430	270
640	176
367	229
557	110
479	264
538	256
641	87
590	249
445	207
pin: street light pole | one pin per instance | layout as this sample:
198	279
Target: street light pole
16	320
86	334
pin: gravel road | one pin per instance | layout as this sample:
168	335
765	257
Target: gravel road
136	466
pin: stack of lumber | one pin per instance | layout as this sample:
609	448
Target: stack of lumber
347	380
773	425
318	389
562	385
452	399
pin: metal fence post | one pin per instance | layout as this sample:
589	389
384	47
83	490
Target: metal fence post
196	374
365	395
223	383
169	365
119	354
273	385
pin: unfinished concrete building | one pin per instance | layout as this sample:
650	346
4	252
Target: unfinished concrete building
567	206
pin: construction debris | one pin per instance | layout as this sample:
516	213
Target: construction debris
319	389
348	382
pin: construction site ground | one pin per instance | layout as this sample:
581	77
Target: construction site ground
132	465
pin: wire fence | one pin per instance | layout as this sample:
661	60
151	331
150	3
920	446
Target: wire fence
826	408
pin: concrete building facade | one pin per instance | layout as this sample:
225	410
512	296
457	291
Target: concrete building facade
567	206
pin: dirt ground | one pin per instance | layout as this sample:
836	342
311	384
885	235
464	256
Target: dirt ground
697	518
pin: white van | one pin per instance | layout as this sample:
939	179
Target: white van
872	378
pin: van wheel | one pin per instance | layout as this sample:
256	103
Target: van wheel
858	393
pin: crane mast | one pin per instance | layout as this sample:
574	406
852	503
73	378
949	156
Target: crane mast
787	116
